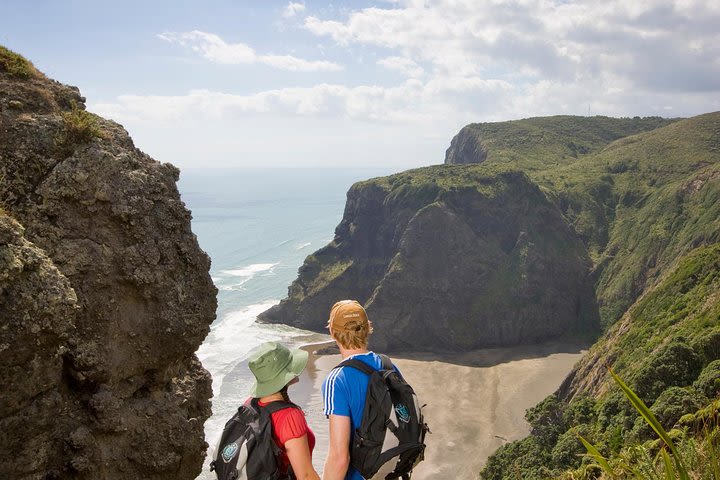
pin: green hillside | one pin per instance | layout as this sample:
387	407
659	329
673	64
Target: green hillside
666	347
542	142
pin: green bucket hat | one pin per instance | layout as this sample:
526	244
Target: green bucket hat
274	366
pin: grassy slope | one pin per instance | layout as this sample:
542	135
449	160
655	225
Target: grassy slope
661	346
641	202
539	143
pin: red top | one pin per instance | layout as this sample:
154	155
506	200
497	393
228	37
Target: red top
287	424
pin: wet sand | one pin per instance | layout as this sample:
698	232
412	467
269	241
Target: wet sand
476	401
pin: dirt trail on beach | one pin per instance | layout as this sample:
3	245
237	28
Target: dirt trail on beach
475	401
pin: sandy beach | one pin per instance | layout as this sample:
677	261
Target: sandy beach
475	401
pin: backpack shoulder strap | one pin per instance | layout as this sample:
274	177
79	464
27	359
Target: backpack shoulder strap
386	362
357	365
273	407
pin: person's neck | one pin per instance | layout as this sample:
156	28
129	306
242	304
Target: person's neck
348	352
277	396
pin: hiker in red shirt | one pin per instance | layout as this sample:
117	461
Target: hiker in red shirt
276	367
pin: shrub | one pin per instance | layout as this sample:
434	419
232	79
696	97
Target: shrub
708	382
546	420
673	403
580	411
614	413
526	456
670	406
79	127
568	451
676	365
709	345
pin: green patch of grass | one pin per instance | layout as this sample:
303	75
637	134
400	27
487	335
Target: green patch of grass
327	274
16	65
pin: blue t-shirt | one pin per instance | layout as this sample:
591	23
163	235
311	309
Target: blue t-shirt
344	393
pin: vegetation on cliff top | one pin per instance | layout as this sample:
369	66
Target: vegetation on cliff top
538	143
16	65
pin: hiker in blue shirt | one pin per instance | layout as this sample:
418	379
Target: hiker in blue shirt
344	389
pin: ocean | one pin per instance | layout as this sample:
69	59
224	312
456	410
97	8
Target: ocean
257	225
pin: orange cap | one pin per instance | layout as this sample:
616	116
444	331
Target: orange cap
347	315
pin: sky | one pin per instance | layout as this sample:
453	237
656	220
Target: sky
205	84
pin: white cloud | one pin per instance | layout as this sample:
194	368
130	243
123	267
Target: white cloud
566	42
293	9
215	49
463	61
404	65
412	102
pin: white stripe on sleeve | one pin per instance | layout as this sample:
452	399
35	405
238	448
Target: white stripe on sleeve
330	392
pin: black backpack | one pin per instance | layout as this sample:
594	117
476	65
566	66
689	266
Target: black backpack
246	450
390	440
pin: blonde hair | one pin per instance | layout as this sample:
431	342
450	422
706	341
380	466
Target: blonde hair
354	335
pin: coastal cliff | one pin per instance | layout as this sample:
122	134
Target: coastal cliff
105	296
465	261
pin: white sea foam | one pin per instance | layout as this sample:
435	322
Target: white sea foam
229	342
235	279
304	245
251	270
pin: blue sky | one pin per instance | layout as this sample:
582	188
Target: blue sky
235	83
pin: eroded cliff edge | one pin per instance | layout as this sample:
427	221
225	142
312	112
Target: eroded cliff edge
105	296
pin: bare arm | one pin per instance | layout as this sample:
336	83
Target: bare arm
338	459
298	451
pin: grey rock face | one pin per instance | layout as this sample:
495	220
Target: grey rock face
465	148
120	393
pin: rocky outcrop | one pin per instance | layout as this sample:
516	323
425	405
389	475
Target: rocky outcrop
466	148
488	263
104	297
